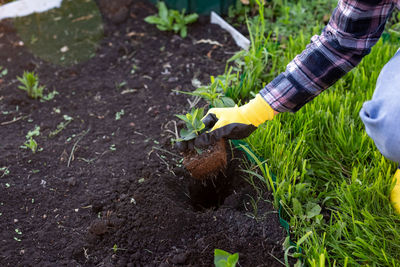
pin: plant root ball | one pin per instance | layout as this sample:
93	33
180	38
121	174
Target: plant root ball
207	164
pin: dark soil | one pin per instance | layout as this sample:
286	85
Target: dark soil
111	192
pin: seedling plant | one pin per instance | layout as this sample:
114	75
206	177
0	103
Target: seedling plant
216	92
30	143
201	165
30	84
5	171
225	259
193	123
171	20
3	72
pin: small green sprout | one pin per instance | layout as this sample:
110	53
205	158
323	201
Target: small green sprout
61	126
3	72
49	96
193	122
31	144
225	259
30	84
134	69
115	248
34	132
171	20
119	114
120	85
181	20
5	171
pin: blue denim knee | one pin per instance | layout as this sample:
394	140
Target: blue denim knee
381	115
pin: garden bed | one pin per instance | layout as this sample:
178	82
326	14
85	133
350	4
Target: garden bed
109	188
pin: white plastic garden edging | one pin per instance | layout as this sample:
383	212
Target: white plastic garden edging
22	8
240	40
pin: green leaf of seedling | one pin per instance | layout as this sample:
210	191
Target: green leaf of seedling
221	263
225	259
152	20
194	125
194	115
34	132
233	259
31	144
175	15
183	117
163	11
162	27
212	78
220	254
199	126
49	96
170	22
175	28
3	72
183	32
187	135
190	18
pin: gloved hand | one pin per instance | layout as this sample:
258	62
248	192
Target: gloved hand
231	123
395	193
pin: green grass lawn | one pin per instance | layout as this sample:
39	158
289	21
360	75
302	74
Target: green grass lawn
331	180
332	183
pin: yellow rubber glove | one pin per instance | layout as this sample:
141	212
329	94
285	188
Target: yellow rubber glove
395	194
234	123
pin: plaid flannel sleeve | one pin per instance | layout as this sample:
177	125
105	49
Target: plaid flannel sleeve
354	27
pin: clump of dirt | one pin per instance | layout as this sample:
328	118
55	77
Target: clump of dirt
209	163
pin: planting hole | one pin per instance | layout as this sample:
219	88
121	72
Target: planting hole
212	192
209	193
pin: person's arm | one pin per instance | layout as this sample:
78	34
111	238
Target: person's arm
354	27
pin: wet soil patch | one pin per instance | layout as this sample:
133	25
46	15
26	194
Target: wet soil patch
109	189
